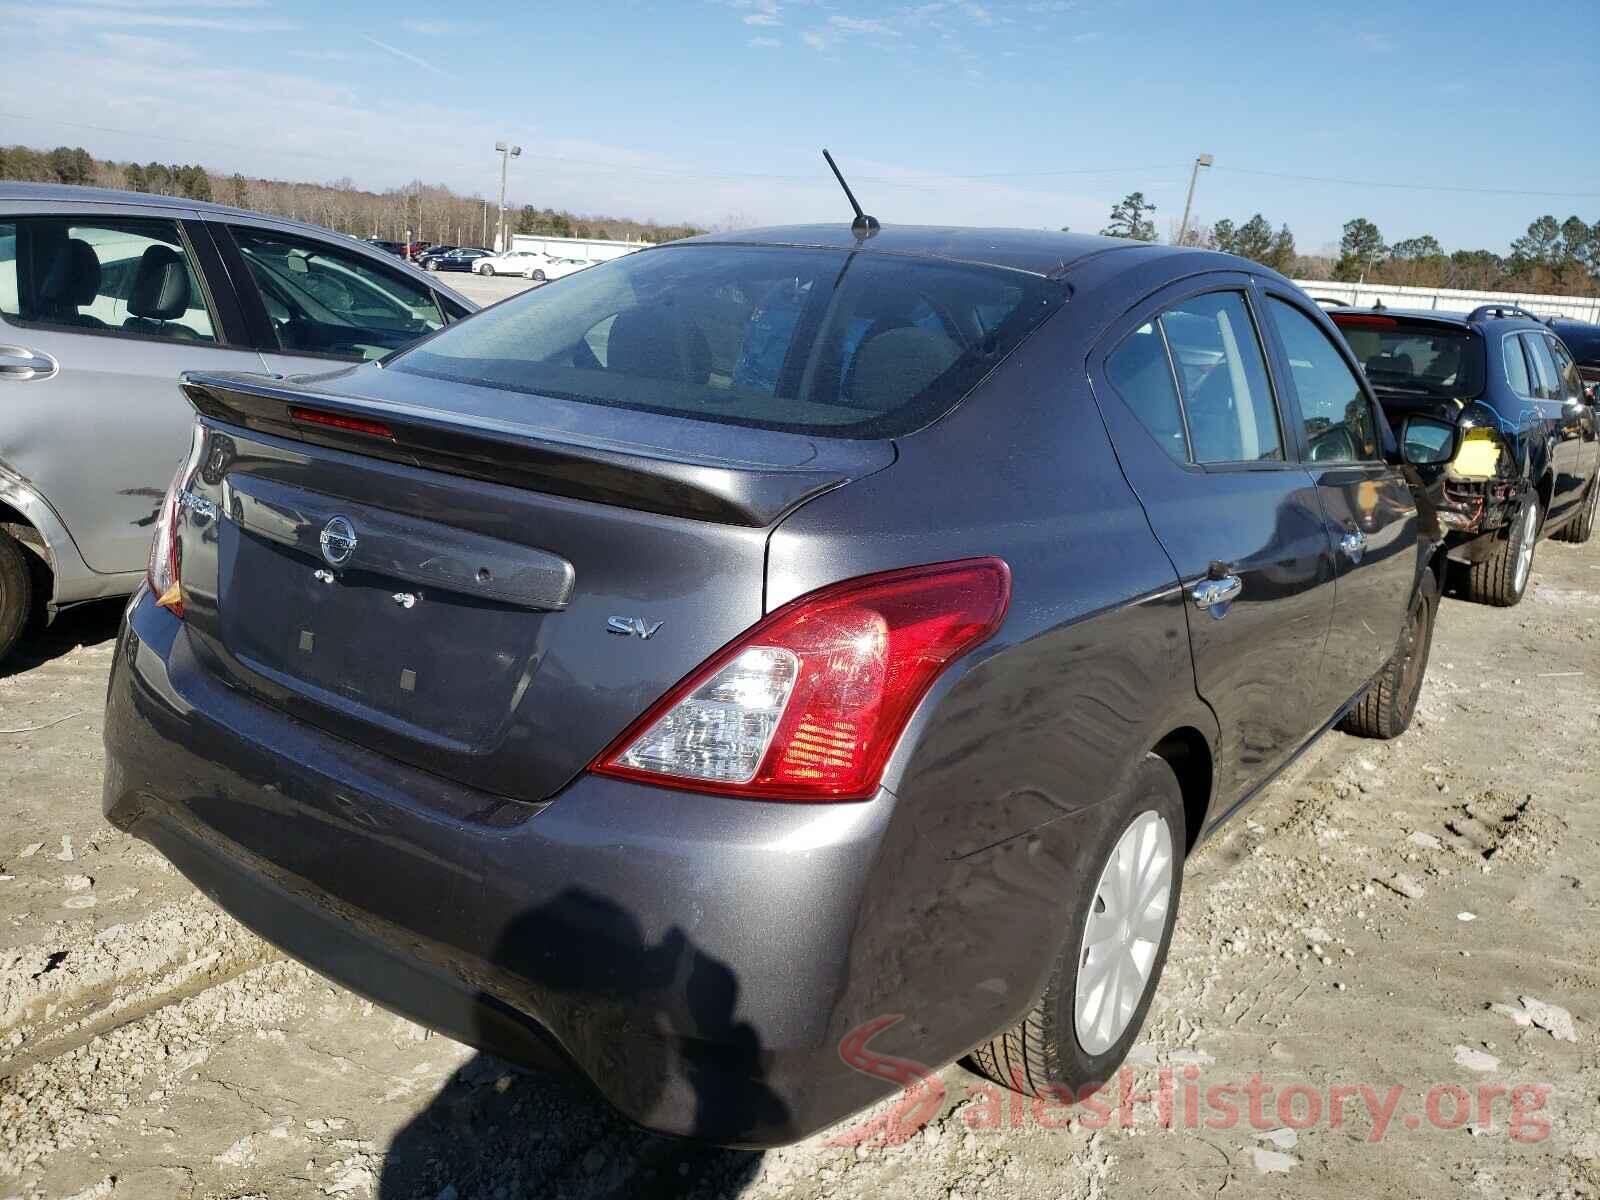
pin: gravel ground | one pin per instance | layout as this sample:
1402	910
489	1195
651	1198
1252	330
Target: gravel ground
1412	916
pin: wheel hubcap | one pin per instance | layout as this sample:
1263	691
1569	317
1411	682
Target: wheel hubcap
1127	920
1530	531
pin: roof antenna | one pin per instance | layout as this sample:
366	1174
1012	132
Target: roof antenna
863	225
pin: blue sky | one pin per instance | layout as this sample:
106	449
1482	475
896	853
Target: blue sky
1039	113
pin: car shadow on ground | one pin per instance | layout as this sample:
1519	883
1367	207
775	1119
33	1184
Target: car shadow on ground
654	1019
83	625
495	1132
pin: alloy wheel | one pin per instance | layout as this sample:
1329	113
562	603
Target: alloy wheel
1122	935
1530	534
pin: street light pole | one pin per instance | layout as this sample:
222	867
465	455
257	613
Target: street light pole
1201	160
507	153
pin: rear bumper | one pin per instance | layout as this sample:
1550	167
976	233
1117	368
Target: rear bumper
698	959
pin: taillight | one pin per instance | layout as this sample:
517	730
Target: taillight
809	703
163	572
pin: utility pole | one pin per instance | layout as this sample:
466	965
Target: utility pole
507	153
485	242
1201	160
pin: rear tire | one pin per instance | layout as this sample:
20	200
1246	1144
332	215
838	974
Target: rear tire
1501	579
1578	529
16	593
1391	701
1068	1042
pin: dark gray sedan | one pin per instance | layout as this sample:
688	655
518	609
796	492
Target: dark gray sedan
766	645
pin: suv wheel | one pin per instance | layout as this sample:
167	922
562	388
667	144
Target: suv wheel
1120	925
16	593
1578	529
1391	700
1502	577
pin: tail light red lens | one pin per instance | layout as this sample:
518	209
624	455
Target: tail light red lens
809	704
163	571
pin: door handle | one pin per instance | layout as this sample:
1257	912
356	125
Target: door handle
1354	545
1209	593
18	362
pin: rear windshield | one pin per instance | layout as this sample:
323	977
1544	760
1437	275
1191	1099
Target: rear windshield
1582	340
825	342
1419	359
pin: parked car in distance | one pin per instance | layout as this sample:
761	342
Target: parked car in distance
686	671
511	262
395	248
1529	455
461	258
105	297
530	264
1583	339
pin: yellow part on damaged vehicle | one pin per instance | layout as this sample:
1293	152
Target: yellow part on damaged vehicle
1479	456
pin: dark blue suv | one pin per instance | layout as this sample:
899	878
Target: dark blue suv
1527	454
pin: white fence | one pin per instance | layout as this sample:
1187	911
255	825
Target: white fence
1363	295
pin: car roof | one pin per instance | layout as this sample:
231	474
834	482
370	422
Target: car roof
1038	252
12	190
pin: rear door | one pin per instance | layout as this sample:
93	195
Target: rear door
1575	444
315	305
108	305
1370	513
1190	405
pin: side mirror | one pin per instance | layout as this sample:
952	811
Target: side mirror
1428	441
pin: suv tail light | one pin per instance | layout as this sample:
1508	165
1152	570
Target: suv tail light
163	572
809	703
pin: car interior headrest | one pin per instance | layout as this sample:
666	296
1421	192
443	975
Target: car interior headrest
161	286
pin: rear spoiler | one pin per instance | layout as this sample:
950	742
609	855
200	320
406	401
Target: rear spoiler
636	478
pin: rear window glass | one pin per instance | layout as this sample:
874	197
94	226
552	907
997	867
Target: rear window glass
1417	359
827	342
1582	340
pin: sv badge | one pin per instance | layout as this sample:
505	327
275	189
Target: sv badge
632	627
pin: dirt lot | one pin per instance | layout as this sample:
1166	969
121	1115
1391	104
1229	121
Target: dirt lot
1414	918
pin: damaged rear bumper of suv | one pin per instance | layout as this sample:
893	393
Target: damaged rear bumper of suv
689	955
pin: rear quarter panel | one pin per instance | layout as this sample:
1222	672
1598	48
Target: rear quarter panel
1010	761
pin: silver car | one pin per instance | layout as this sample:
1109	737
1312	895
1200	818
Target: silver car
105	297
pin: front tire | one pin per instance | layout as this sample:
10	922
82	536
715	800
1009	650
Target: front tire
1577	530
486	269
1121	916
537	276
16	593
1385	711
1501	579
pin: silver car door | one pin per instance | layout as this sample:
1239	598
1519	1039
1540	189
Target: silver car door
101	310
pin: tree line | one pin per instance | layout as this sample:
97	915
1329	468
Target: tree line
431	212
1553	256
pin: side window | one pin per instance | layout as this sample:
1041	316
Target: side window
1339	424
1546	385
1516	366
8	268
117	275
1141	373
322	299
1223	380
1571	380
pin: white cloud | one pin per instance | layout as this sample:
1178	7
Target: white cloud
815	40
870	25
429	28
766	42
762	18
413	59
61	18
